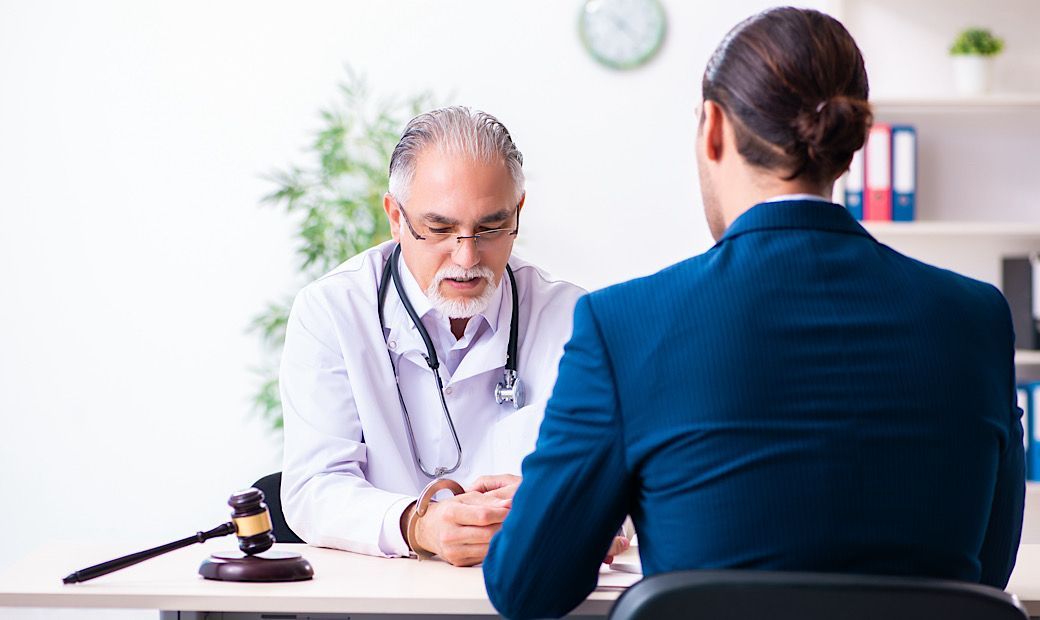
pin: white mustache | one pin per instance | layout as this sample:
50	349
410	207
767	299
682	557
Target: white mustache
461	307
454	272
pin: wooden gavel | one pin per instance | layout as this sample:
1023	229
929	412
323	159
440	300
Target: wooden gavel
250	521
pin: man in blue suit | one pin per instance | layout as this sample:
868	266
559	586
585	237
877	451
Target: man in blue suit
799	397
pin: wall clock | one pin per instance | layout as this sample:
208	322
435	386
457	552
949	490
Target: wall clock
622	34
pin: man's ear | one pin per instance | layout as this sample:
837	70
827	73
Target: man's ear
393	215
520	205
712	131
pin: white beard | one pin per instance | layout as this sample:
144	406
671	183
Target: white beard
461	307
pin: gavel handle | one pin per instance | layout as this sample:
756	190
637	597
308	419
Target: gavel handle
129	560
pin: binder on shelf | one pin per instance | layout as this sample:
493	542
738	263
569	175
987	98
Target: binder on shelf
854	186
877	199
1033	451
1022	390
904	173
1020	283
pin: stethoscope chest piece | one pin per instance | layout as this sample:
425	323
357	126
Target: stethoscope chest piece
511	390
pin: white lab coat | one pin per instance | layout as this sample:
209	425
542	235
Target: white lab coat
348	471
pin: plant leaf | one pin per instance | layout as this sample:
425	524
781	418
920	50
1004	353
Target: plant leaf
338	192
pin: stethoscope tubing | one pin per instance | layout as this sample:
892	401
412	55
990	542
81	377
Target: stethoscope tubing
391	273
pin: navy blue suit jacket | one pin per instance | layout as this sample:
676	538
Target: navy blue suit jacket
799	397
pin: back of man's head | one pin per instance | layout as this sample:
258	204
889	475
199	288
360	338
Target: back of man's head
793	83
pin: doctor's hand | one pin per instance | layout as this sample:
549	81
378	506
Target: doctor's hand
502	486
505	485
459	529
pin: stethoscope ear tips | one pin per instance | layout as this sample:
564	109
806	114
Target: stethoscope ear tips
511	390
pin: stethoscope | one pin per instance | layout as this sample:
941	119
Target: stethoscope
510	389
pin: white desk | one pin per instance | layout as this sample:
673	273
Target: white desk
1025	580
344	583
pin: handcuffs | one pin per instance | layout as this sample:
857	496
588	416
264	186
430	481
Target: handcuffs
422	504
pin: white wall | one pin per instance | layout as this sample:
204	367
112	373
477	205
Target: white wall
905	44
133	252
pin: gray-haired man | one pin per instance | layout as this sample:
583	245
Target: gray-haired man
373	409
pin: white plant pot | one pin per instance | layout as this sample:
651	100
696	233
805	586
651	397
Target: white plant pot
972	74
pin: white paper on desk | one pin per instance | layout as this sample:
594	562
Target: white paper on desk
611	580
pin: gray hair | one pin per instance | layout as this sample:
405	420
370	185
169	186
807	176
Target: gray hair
454	130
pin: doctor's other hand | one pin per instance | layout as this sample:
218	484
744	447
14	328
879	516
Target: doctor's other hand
487	484
502	486
459	529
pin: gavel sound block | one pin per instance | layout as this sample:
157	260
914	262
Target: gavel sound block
255	561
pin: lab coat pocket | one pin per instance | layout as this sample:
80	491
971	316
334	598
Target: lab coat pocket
515	434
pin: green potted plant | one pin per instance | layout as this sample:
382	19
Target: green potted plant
335	200
973	51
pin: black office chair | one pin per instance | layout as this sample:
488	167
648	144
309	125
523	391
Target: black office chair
271	485
745	595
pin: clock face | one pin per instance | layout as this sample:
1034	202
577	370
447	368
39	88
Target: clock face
622	34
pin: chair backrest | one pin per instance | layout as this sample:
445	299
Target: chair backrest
741	595
271	485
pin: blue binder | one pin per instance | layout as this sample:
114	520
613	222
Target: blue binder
1032	424
904	173
854	186
1024	397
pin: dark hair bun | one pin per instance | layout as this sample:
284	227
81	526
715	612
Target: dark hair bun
832	131
794	83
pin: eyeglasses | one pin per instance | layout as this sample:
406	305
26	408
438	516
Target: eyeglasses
448	242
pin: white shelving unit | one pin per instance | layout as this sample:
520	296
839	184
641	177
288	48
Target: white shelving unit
1025	357
975	249
978	176
943	104
954	229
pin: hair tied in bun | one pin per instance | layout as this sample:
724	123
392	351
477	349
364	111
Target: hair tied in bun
794	83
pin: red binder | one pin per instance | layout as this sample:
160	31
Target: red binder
877	199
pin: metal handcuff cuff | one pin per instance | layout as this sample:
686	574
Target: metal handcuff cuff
422	504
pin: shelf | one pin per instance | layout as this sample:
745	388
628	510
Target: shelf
953	103
963	229
1029	357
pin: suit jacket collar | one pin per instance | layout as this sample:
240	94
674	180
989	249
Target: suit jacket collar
795	214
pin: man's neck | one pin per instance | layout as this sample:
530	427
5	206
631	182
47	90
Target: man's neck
458	327
759	190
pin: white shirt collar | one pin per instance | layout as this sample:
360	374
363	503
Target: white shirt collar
420	302
786	197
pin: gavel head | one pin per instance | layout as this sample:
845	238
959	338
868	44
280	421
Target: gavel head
252	521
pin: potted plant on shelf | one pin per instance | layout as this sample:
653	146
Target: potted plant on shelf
973	51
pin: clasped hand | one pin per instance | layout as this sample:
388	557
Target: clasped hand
459	529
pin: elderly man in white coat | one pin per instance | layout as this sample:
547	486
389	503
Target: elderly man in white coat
395	363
